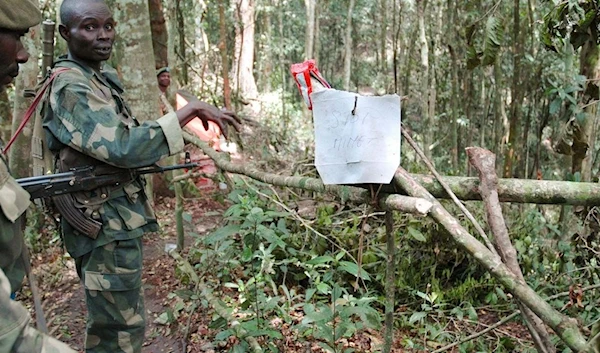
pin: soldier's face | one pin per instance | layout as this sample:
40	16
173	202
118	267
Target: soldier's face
91	34
12	53
164	79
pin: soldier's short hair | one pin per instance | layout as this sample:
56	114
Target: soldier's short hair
69	9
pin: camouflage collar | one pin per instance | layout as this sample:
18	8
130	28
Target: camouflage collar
108	75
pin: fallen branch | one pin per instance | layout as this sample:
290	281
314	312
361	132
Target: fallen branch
447	189
565	327
484	162
465	188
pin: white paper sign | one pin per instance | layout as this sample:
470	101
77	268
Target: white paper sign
357	138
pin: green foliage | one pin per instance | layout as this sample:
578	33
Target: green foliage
573	21
491	44
268	273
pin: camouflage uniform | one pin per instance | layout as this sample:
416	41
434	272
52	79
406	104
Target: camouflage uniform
13	203
85	112
15	333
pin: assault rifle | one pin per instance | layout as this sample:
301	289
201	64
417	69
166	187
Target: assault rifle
87	179
59	186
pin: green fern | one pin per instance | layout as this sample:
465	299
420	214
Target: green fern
494	32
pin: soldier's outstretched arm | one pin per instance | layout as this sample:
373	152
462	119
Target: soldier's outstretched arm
15	333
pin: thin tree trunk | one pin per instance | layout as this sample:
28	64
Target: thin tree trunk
5	116
513	152
425	80
160	36
390	281
181	52
454	100
20	152
316	44
590	68
223	51
243	67
383	24
348	47
311	7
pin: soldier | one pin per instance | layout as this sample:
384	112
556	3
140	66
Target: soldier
15	333
163	77
88	123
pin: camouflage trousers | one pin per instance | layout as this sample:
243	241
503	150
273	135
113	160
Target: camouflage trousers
112	277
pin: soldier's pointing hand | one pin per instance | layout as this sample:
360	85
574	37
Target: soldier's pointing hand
206	113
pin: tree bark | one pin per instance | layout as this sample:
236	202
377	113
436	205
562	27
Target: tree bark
425	81
590	68
390	281
243	67
485	163
509	190
137	72
20	152
160	36
512	153
180	49
309	44
566	328
223	51
348	47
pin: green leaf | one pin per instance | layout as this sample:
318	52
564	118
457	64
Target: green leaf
555	106
417	316
472	313
416	234
222	233
220	323
323	288
352	268
187	217
320	260
493	33
247	254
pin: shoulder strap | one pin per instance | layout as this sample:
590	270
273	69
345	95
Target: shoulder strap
32	107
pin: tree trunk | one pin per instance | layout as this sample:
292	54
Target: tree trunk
309	46
425	81
137	72
454	100
243	67
590	68
181	52
223	51
5	117
316	45
513	152
348	46
383	28
160	35
20	152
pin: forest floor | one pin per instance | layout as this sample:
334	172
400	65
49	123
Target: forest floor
64	301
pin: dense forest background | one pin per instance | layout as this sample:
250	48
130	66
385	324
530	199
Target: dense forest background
519	78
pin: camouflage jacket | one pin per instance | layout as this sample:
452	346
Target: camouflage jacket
15	333
84	110
13	203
